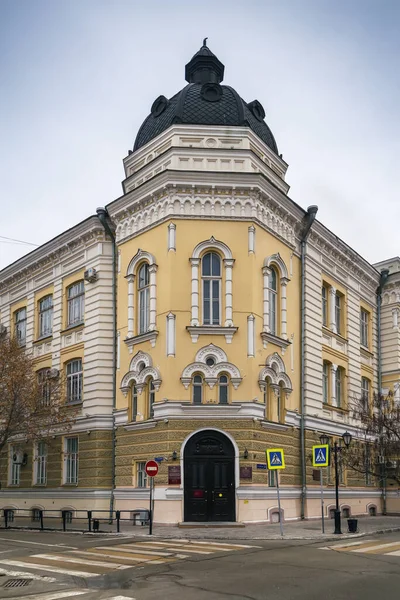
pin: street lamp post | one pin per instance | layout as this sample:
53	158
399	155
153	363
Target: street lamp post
324	439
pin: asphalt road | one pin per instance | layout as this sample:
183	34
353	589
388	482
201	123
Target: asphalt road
124	569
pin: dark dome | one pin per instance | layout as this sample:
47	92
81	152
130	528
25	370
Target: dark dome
205	102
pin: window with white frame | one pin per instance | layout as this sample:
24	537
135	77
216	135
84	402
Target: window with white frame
325	382
144	298
223	388
74	381
152	398
339	387
272	301
15	468
365	390
134	403
324	292
197	389
76	303
141	475
71	460
211	288
364	322
338	312
46	316
40	463
20	326
43	387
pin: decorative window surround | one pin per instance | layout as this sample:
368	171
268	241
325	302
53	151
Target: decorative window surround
188	410
333	385
228	261
276	261
211	372
140	370
133	341
140	256
228	332
274	339
332	311
172	237
275	370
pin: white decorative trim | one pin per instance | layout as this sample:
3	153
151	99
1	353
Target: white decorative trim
274	339
213	244
228	332
250	336
141	255
275	370
277	261
188	411
172	237
252	239
334	369
211	373
141	425
150	336
140	370
171	334
332	311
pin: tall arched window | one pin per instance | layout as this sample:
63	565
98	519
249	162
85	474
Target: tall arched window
211	279
197	385
144	298
273	301
152	398
223	384
134	403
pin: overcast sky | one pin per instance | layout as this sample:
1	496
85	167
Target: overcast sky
78	77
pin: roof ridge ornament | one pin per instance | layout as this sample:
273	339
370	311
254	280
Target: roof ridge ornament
204	67
205	42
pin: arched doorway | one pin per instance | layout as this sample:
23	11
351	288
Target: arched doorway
209	477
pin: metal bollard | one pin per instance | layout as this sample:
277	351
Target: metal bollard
118	516
41	519
64	520
89	516
5	518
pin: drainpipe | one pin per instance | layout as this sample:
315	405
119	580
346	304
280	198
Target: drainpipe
382	281
309	219
105	220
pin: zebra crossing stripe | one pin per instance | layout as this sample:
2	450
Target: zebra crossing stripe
37	566
58	595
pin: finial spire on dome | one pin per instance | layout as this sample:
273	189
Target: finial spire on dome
204	67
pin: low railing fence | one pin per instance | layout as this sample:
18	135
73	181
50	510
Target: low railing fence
94	521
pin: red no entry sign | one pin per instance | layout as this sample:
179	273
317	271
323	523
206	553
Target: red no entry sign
151	468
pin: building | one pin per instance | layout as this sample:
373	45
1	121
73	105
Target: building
242	323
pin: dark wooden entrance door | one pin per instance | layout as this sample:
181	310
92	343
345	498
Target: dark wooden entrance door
209	478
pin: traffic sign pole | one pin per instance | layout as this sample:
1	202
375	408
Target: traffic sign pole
322	500
279	503
151	469
151	507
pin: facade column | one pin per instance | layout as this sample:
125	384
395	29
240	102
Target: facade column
266	273
252	239
171	319
153	297
171	237
131	311
284	283
195	262
250	336
332	311
228	262
333	385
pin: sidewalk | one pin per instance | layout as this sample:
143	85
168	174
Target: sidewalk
296	530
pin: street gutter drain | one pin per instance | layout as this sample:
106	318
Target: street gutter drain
12	583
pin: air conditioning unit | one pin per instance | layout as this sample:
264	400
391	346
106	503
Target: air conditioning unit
53	373
20	458
90	275
3	329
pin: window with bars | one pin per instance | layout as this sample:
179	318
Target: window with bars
144	298
325	382
41	463
211	285
272	301
20	326
223	387
364	321
324	292
71	460
44	387
74	381
46	316
76	303
15	468
141	475
197	389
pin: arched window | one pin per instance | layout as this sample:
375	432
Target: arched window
273	301
211	280
152	398
223	384
144	298
197	389
134	403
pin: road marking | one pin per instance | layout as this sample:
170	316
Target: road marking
133	546
343	545
109	556
58	595
173	548
223	544
28	565
395	553
376	547
24	574
71	559
39	544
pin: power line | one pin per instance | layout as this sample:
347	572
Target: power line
13	241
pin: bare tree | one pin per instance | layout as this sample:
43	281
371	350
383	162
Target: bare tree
31	408
376	453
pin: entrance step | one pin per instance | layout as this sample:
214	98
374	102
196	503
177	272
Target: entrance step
209	524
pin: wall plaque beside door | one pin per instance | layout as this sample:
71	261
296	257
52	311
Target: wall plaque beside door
174	475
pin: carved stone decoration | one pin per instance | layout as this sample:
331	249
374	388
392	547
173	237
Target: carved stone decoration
218	365
140	371
275	370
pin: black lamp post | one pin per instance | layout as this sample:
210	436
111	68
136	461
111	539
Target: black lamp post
324	439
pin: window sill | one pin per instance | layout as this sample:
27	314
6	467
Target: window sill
44	338
149	336
366	351
69	485
274	339
335	408
338	336
73	327
195	332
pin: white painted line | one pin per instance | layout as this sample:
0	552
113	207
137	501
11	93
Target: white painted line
71	559
94	554
173	548
121	598
26	575
57	595
40	544
131	549
225	544
346	545
17	563
395	553
376	547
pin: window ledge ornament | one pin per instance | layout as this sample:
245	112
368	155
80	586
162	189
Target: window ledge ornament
274	339
140	370
149	336
211	372
228	332
275	370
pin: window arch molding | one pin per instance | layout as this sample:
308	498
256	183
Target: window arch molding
228	261
210	372
141	257
275	370
140	371
276	262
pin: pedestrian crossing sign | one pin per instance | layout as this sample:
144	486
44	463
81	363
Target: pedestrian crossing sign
275	458
320	455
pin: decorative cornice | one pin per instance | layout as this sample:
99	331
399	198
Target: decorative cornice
149	336
228	332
